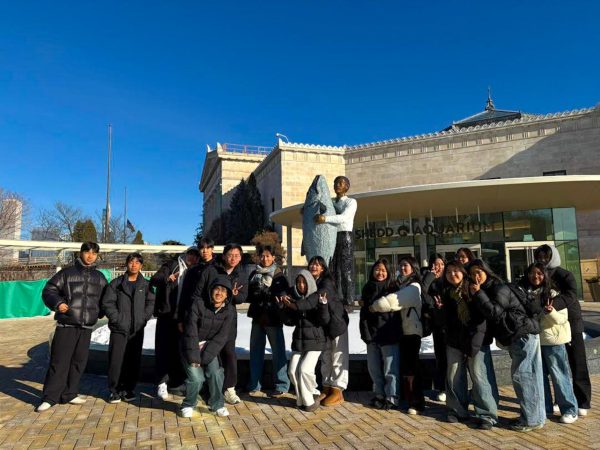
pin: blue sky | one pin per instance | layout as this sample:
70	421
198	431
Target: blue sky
173	77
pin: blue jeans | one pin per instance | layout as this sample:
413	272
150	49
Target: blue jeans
457	392
383	362
556	364
196	376
258	341
491	373
527	377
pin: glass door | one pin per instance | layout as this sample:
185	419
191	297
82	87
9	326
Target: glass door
519	256
394	255
360	271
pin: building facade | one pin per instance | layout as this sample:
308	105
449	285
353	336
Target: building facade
492	144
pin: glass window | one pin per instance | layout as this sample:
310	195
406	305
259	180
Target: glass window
565	225
494	254
492	227
569	257
360	272
528	225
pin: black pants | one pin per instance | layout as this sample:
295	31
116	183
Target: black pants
441	361
229	363
169	367
410	370
342	266
124	358
68	358
579	369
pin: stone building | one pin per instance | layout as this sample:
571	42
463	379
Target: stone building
492	144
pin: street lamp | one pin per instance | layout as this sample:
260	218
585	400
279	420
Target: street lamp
282	136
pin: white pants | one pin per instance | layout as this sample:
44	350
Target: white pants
334	362
301	370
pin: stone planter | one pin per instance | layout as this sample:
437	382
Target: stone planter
594	289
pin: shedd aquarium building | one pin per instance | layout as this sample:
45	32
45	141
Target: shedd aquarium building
500	182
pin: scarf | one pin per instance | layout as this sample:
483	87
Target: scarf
264	275
462	308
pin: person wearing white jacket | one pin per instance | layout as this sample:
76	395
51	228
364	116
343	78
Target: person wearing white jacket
555	332
407	300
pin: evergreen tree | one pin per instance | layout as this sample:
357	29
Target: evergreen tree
77	235
138	239
89	231
246	215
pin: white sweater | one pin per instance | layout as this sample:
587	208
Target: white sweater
407	300
555	326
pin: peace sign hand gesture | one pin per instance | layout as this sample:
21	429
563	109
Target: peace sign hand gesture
323	298
235	290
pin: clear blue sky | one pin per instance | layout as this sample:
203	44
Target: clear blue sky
174	76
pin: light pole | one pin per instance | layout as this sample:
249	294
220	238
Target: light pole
282	136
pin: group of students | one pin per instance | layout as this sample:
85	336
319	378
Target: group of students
461	302
466	306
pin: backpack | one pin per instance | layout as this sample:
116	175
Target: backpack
426	316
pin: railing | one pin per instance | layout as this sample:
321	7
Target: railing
145	273
247	149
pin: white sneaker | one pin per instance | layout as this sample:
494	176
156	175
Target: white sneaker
222	412
568	418
412	411
45	406
231	397
78	401
583	412
162	391
188	411
556	409
441	397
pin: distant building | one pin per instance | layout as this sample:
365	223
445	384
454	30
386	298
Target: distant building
395	182
11	218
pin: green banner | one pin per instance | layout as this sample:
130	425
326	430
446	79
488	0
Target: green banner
22	299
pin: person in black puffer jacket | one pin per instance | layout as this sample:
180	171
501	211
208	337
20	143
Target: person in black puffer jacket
563	281
168	283
309	338
465	332
129	304
265	283
335	357
518	331
206	331
381	333
74	295
230	266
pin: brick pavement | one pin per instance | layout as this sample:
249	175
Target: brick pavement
256	423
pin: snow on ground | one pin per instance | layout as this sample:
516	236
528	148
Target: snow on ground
101	336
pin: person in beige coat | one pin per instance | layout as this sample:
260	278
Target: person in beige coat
555	332
407	300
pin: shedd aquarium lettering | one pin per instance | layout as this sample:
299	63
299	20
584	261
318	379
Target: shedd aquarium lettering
430	229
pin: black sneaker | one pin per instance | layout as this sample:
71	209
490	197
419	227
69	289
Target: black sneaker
378	402
452	418
114	398
128	396
485	425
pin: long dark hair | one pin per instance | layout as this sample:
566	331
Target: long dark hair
464	287
546	283
492	278
415	276
389	280
433	257
321	261
468	253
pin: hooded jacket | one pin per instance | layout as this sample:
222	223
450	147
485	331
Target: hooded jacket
205	323
165	290
128	310
338	317
563	281
309	334
81	288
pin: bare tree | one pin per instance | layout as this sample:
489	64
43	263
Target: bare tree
60	221
116	233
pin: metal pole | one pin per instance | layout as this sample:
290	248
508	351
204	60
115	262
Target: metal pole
125	219
107	212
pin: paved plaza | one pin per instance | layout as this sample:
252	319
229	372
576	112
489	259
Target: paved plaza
255	423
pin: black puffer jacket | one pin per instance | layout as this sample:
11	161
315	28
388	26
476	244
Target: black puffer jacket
205	323
165	290
309	334
499	305
81	288
379	328
128	306
338	317
433	286
466	337
238	276
263	307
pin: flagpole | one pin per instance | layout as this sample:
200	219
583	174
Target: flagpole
125	219
107	211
